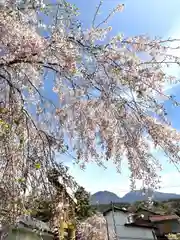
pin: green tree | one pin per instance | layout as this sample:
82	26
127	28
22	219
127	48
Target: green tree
83	209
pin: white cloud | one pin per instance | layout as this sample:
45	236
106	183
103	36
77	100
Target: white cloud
170	182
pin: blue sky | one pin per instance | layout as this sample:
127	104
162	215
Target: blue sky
155	18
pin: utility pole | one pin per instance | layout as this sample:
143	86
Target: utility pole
114	222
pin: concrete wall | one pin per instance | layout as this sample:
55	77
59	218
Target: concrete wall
168	226
126	233
175	226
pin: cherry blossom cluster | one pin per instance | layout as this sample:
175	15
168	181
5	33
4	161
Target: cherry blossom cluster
106	95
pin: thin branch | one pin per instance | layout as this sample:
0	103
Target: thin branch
96	13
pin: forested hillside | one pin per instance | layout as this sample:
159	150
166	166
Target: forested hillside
164	207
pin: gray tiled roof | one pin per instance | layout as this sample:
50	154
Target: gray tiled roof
32	223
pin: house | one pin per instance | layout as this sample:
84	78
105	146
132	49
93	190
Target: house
145	212
166	224
27	228
126	226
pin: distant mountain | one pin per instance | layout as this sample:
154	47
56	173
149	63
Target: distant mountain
105	197
137	195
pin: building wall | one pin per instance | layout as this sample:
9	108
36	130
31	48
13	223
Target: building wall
175	226
168	227
123	232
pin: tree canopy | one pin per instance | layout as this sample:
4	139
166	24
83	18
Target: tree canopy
107	95
83	208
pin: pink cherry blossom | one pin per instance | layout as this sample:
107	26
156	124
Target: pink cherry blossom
107	93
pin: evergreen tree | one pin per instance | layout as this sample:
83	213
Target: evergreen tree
83	209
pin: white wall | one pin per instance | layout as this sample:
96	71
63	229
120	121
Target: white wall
126	233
